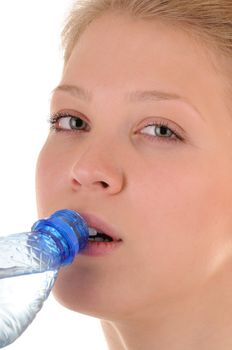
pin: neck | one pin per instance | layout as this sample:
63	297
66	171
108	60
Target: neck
201	321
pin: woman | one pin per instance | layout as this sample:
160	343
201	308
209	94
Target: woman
141	145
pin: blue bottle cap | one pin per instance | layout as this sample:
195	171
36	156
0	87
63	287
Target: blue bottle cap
68	229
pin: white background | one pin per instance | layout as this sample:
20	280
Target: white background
30	67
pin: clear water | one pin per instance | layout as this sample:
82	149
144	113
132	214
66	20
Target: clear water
29	263
21	298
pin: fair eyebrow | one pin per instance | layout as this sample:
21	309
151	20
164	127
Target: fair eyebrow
74	90
134	96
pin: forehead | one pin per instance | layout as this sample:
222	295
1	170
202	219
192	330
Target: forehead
123	44
117	53
127	37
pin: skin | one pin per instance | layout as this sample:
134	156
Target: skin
169	284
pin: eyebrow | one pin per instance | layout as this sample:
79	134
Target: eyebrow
74	90
134	96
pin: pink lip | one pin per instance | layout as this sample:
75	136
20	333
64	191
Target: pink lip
100	225
100	248
97	249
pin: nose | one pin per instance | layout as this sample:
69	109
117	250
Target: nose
96	170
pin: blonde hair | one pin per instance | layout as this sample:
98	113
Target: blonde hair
209	20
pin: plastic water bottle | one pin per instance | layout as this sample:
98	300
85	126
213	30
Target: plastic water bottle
29	265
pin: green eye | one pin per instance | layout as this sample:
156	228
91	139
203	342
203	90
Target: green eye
64	122
76	123
161	132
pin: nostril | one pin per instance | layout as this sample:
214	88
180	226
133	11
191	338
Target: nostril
91	177
104	184
76	183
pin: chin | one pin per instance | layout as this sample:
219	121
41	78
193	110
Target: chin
87	301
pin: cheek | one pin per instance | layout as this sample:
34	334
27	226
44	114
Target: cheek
51	177
177	193
179	218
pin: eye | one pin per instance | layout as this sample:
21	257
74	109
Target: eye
161	131
68	122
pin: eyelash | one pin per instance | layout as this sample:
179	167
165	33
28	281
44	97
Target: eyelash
155	138
54	119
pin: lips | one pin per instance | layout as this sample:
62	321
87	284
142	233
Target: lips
103	248
101	226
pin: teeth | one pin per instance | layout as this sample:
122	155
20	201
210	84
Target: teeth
92	231
97	236
98	239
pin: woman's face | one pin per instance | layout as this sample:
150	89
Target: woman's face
165	190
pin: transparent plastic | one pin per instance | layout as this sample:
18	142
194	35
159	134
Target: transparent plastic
29	265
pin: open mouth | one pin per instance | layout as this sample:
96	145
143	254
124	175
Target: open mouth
101	243
97	236
103	239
